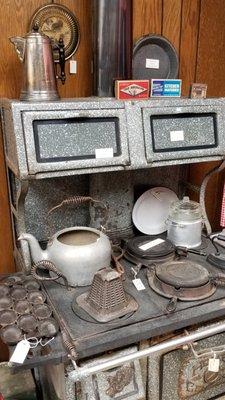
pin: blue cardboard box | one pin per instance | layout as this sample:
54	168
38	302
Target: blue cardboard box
166	87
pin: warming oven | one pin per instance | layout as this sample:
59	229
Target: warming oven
107	150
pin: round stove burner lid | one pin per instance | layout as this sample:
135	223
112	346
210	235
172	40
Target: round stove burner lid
183	274
150	247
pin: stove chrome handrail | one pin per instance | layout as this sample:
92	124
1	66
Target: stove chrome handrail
80	373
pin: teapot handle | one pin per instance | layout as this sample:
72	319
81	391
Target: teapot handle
78	200
47	266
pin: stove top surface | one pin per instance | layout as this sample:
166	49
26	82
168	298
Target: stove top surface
151	319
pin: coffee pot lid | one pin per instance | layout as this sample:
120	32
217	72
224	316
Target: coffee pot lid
185	208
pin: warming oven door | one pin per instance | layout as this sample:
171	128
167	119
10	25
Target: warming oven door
179	133
75	140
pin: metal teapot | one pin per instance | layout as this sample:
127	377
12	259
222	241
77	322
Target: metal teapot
77	253
35	51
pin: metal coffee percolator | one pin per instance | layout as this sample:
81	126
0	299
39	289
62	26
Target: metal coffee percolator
35	51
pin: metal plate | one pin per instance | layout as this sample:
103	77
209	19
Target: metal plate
57	21
154	51
135	247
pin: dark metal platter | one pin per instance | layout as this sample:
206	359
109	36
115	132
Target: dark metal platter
158	49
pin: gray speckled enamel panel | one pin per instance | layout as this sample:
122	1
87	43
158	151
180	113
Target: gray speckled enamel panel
75	142
191	133
43	195
135	134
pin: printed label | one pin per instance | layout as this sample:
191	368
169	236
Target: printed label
152	63
176	136
104	153
138	284
151	244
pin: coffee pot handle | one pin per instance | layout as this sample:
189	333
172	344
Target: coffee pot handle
61	49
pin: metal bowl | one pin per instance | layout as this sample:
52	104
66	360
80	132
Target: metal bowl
42	311
48	327
18	293
22	307
11	334
27	323
4	290
36	297
7	317
5	303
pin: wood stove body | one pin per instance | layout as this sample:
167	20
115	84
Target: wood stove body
110	150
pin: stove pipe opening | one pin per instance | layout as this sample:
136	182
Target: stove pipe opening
112	35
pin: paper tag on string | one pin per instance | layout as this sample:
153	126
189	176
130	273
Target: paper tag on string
138	284
214	364
20	353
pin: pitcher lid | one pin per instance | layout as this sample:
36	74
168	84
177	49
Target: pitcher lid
34	33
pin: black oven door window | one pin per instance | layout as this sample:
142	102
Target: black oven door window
185	131
75	138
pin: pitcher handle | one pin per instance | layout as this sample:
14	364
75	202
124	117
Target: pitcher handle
61	49
78	200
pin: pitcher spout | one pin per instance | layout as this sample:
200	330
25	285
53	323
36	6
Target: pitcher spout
37	254
20	46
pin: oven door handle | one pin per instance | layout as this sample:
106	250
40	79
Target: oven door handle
80	373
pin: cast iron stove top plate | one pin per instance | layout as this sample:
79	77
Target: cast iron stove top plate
151	318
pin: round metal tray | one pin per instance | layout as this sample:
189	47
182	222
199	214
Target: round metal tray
154	57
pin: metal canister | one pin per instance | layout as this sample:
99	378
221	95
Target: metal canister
184	224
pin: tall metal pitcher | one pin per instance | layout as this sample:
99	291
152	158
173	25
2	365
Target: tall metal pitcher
36	53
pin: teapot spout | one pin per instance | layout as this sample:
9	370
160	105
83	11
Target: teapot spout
20	45
37	254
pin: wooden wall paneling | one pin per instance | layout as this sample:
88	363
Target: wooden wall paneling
189	43
81	83
210	69
15	18
147	17
211	44
171	21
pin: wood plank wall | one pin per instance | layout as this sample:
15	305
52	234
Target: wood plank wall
195	27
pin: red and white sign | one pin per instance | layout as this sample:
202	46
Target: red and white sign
131	90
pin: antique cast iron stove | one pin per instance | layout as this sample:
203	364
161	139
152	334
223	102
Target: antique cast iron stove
110	150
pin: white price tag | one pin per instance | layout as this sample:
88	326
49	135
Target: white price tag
20	352
104	153
152	63
73	67
151	244
176	136
138	284
214	365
